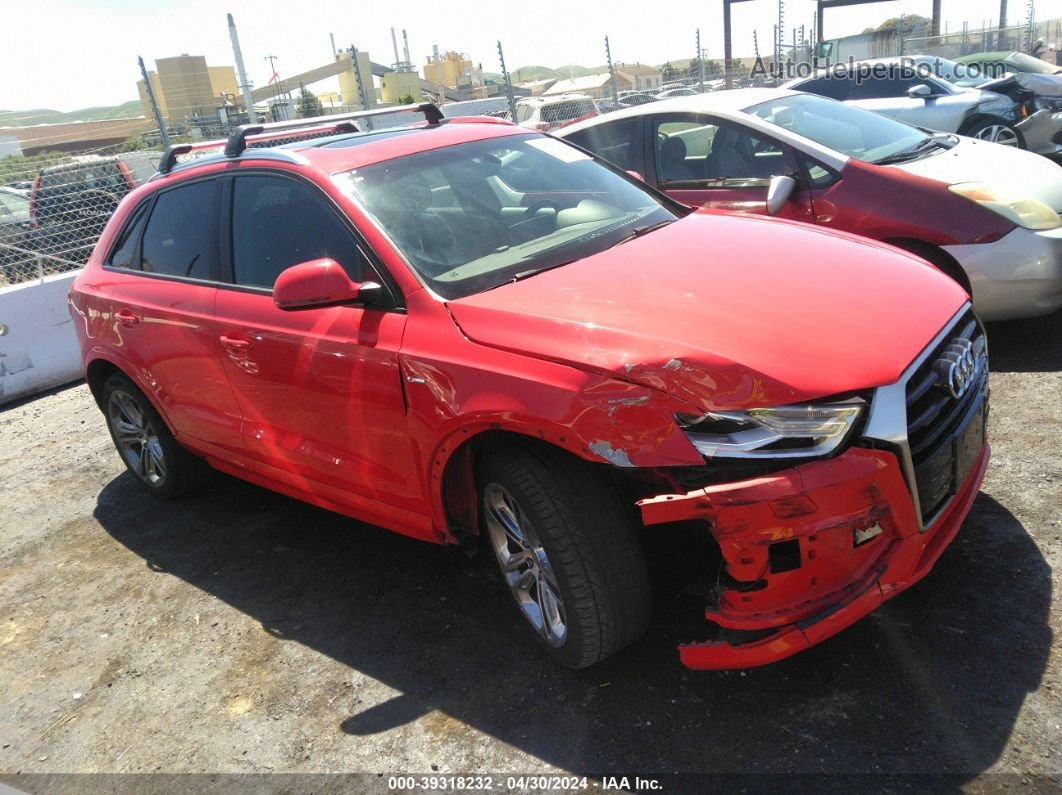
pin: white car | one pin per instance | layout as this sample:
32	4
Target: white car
985	214
552	113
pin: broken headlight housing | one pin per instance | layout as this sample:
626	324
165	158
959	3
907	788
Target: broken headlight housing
805	431
1053	104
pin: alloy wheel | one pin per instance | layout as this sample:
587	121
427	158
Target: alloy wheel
525	565
999	134
136	437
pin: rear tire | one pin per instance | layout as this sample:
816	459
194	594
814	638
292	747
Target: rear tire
145	443
567	550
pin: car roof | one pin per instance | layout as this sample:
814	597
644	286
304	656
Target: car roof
997	55
336	153
720	103
729	106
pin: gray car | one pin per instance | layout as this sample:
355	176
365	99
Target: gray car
921	91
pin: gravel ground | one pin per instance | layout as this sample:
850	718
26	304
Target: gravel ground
239	632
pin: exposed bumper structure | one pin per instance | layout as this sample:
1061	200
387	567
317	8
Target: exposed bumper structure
1017	276
811	550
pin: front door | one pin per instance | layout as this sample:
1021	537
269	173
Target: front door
319	389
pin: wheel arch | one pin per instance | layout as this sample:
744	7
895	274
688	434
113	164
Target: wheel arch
936	256
100	368
454	495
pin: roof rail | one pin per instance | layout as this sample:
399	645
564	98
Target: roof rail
339	122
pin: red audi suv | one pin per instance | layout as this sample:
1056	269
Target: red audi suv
463	330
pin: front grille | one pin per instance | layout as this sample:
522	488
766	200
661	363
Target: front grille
946	433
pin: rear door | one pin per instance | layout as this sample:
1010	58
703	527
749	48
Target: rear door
319	389
703	161
158	304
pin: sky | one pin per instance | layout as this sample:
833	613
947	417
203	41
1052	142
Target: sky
66	55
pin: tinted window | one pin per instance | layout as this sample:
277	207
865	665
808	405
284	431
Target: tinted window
833	87
178	240
124	253
277	223
615	142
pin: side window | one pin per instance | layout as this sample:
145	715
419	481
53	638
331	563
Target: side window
725	155
820	176
277	223
615	142
124	253
834	87
179	238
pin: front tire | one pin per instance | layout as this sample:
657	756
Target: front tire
145	443
996	131
567	550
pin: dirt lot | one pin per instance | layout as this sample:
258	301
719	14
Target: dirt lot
237	631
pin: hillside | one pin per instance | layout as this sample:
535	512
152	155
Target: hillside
27	118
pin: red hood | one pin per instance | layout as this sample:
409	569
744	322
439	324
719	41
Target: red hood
726	311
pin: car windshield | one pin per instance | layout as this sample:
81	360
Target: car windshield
849	130
475	216
1026	63
965	75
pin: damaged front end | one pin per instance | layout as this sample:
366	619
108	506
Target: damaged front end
811	543
1037	109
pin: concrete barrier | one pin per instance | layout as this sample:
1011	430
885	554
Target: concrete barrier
38	349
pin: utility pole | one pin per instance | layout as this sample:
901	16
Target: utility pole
1000	42
780	35
154	104
700	61
245	85
508	83
362	93
273	74
611	71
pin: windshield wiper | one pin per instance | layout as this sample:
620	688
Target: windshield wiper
534	272
640	231
920	149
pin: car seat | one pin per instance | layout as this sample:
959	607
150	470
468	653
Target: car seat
673	166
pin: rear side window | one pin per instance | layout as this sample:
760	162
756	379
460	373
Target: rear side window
179	238
124	253
277	223
835	87
616	142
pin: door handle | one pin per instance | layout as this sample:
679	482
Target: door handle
235	344
126	317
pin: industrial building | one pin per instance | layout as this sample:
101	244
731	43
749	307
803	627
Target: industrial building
187	88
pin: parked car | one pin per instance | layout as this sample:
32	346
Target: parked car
15	254
986	215
71	202
552	113
997	64
676	92
470	328
1003	114
632	98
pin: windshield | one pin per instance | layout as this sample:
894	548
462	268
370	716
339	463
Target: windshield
1026	63
846	129
965	75
474	216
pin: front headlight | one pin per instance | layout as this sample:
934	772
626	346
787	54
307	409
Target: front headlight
805	431
1028	213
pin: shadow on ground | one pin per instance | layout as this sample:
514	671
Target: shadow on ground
1026	346
932	682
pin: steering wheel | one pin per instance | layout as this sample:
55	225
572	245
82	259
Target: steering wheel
541	204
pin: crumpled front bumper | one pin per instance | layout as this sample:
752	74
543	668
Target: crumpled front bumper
1041	132
811	550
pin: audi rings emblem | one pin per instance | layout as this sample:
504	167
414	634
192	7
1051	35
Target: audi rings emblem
959	366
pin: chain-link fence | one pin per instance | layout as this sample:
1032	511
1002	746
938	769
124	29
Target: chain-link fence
53	207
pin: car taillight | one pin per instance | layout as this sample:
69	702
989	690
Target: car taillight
34	224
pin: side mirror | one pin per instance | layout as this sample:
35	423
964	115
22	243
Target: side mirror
780	192
921	91
320	282
636	175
